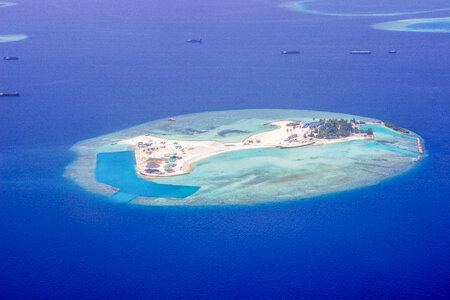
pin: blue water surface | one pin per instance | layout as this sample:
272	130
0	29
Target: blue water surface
94	67
118	169
437	25
383	130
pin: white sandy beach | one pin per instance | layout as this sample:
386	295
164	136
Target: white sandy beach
158	157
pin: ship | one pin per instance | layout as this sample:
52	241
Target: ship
290	52
5	94
10	58
393	51
194	41
171	120
361	52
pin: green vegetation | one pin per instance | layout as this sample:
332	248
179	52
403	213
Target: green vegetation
334	129
395	127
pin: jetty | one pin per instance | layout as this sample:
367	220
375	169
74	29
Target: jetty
360	52
420	146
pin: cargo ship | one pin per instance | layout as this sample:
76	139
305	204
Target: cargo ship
290	52
194	41
10	58
9	94
361	52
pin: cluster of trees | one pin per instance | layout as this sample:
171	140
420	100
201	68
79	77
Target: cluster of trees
334	128
395	127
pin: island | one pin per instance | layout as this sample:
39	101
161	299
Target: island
243	157
158	157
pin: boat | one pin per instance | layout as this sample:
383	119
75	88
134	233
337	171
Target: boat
171	120
194	41
393	51
290	52
418	158
10	58
361	52
5	94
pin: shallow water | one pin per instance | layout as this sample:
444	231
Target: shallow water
436	25
91	68
382	8
247	176
12	38
118	169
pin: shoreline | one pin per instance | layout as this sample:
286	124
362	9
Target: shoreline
82	169
158	157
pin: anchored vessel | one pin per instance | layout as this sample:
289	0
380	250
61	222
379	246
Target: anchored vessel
393	51
4	94
290	52
10	58
194	41
361	52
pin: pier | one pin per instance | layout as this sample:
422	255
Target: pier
420	146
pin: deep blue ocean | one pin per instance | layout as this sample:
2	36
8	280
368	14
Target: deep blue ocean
90	68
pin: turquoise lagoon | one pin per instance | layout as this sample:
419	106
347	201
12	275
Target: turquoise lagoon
6	4
117	169
321	7
6	38
241	177
438	25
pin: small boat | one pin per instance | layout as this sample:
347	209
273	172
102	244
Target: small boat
361	52
10	58
393	51
290	52
171	120
199	41
5	94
